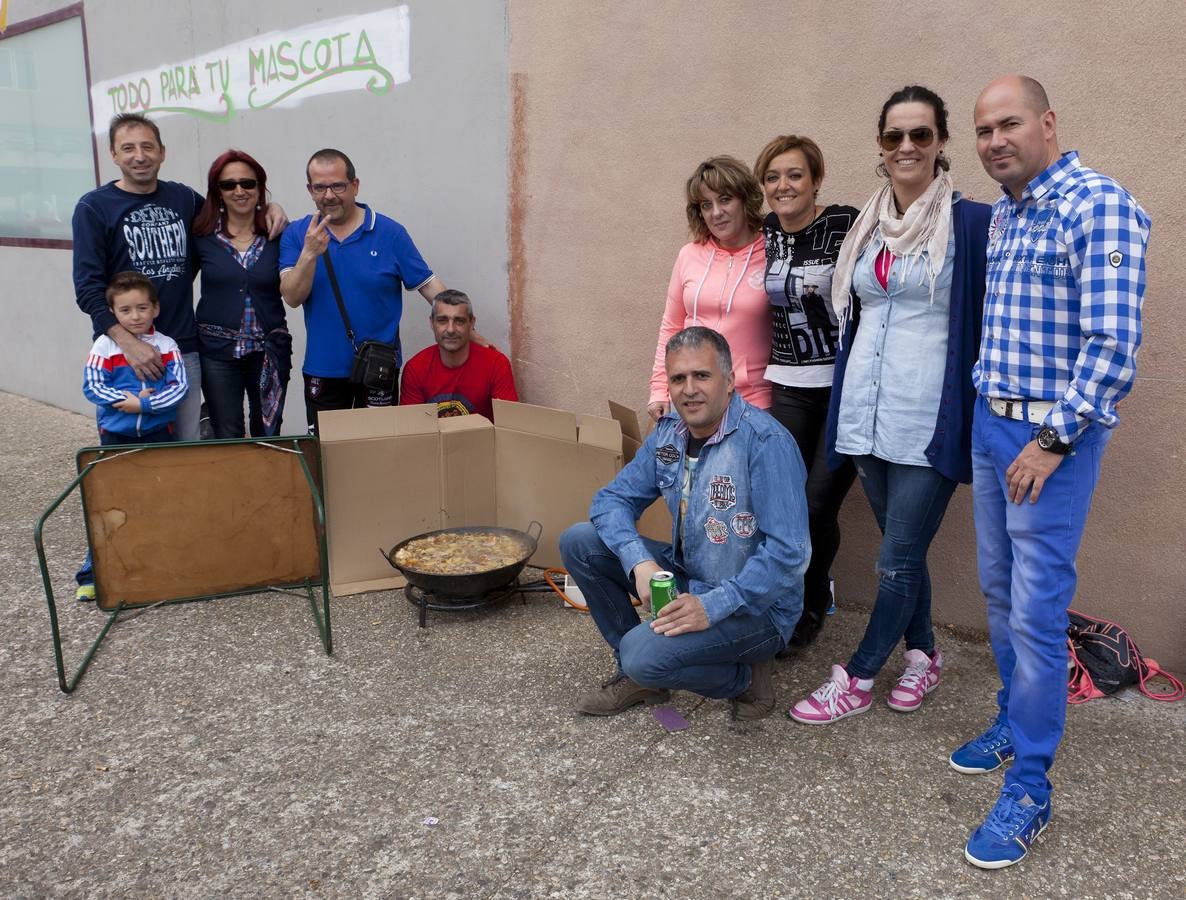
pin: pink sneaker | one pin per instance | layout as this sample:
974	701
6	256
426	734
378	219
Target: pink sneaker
920	677
841	696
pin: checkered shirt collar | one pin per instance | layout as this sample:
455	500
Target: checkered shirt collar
1048	180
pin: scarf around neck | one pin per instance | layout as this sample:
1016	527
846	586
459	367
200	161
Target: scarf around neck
925	226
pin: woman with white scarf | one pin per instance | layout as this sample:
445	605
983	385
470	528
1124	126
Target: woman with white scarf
909	292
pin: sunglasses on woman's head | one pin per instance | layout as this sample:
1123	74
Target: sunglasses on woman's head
919	137
248	184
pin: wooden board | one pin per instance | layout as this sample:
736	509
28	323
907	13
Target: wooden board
180	521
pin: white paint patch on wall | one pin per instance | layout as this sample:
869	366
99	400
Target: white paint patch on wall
368	52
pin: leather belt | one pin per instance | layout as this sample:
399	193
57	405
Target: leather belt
1032	411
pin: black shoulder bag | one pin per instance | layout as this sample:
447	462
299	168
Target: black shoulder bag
374	361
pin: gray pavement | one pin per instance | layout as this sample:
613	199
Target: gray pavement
213	749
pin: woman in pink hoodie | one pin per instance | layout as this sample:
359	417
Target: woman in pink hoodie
719	278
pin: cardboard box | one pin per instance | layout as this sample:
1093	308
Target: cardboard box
396	472
656	521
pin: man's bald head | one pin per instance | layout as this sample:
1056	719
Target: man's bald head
1016	136
1029	89
1034	93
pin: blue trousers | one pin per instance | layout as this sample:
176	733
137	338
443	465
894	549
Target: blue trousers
908	503
1026	557
713	663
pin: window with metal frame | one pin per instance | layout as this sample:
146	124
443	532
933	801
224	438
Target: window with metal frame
47	149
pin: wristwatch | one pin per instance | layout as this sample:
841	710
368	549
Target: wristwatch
1051	441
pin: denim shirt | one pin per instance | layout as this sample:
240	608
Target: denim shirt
895	370
745	540
950	449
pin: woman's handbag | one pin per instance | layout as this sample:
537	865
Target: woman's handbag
374	365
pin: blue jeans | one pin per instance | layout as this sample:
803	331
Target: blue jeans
908	503
189	410
86	573
1026	558
713	663
224	383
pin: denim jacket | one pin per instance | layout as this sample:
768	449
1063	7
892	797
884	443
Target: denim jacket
746	544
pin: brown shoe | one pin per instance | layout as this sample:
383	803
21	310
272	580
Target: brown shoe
757	700
618	695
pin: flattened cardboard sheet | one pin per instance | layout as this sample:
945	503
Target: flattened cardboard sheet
170	522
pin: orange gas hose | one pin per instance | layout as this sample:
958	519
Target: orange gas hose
561	573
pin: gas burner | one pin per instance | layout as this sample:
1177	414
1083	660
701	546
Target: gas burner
426	600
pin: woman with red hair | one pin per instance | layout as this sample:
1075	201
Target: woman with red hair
243	338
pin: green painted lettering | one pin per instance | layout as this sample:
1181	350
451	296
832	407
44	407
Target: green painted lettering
323	59
255	65
210	67
338	38
288	65
308	70
361	58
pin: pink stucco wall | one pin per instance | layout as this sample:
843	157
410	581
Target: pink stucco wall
614	104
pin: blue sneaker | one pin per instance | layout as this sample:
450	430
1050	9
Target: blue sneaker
986	753
1009	831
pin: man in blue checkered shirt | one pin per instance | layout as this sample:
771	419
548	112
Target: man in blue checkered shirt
1062	323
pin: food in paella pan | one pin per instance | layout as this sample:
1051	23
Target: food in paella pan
461	554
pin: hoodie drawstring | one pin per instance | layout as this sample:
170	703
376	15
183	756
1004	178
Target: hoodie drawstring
732	293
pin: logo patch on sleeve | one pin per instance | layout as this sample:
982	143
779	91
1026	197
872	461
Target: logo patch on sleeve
722	492
1115	258
667	454
717	531
745	524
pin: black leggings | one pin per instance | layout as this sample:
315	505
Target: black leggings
803	412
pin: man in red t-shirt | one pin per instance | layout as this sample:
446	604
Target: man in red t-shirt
459	376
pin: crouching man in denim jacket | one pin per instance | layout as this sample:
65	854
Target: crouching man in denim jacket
733	482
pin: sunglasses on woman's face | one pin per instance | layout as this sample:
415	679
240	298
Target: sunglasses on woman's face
919	137
249	184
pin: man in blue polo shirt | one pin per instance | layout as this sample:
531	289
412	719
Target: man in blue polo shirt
373	258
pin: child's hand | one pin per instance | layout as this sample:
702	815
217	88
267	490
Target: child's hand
130	403
147	392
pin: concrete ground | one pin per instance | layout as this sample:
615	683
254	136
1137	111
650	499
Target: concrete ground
214	749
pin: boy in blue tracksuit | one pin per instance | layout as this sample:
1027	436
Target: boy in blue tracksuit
131	411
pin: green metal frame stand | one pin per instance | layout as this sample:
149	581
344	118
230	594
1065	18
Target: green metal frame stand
320	611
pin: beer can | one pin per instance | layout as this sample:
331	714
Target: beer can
662	590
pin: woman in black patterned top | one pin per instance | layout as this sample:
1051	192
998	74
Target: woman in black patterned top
802	242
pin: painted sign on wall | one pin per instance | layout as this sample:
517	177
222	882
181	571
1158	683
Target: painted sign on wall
282	68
